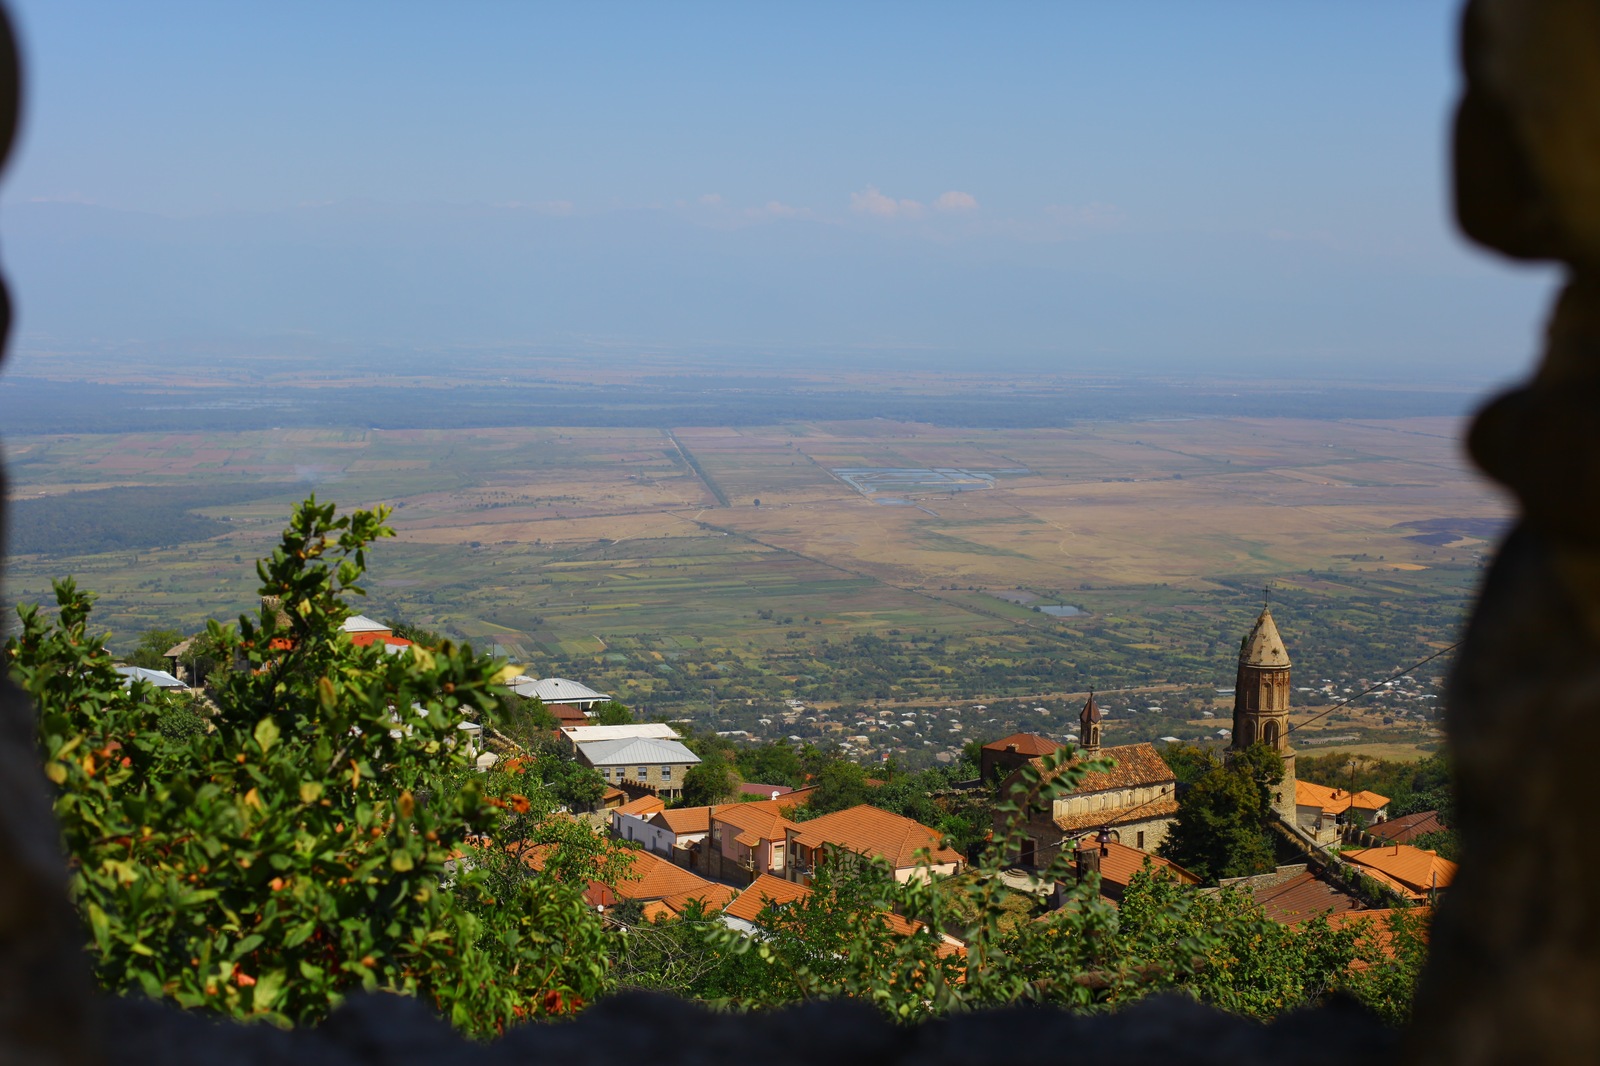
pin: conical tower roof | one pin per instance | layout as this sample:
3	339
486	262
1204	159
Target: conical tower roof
1090	712
1263	646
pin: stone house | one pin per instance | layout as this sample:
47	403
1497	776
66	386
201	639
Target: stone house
656	764
1135	800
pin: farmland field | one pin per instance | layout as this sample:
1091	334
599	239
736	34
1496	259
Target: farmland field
603	551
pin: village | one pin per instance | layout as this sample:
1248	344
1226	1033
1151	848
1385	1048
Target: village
761	850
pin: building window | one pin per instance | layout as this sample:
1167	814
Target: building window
666	773
1141	840
644	773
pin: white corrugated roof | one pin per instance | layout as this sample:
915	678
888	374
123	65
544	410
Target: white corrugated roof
360	623
588	734
555	690
158	678
636	751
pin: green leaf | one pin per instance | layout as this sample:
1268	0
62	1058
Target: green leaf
269	986
267	734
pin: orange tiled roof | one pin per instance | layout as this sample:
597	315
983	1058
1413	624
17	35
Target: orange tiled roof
762	891
1121	862
1412	870
1336	800
766	889
714	896
684	819
1024	744
1165	807
650	877
867	830
762	820
644	806
1380	933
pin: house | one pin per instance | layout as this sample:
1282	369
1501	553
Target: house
628	820
1411	872
1136	800
1320	809
906	845
1293	894
574	735
364	632
1118	864
743	914
554	690
711	900
749	788
747	840
1406	828
674	834
651	877
1000	757
159	678
656	764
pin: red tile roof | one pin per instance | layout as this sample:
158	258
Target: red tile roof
713	897
650	877
762	891
1405	829
1334	800
644	806
751	788
867	830
762	820
766	889
1413	871
1303	897
1024	744
1120	863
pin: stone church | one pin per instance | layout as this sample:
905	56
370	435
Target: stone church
1136	800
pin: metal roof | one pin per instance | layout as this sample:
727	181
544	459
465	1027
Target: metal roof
636	751
588	734
555	690
158	678
360	623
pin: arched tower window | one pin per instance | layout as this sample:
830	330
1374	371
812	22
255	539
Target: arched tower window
1269	734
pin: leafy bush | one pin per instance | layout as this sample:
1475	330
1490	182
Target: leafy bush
325	837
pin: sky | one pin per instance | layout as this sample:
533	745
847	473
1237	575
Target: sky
1228	188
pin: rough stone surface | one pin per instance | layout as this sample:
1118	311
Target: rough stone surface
1515	972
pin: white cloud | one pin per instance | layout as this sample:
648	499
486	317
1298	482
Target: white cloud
780	210
543	207
956	201
711	199
872	202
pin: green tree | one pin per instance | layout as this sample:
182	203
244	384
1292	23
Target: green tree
150	652
612	713
323	836
1221	824
772	764
712	780
839	784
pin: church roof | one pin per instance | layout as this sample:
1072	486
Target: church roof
1091	711
1263	646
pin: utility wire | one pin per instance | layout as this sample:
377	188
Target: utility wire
1123	815
1375	687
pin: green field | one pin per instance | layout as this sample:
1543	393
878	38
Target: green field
603	552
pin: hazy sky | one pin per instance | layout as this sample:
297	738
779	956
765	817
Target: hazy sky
1233	187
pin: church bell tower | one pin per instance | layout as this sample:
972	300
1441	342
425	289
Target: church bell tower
1089	728
1261	703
